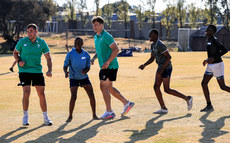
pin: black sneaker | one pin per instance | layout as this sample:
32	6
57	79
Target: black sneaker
207	109
11	69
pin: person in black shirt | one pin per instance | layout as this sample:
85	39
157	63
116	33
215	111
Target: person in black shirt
215	65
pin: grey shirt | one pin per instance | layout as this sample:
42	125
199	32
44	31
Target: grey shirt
158	49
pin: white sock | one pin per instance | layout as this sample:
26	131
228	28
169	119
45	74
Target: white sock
44	115
25	113
110	112
127	103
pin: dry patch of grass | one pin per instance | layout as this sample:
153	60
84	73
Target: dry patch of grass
140	124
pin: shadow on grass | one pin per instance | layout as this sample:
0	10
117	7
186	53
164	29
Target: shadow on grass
82	135
212	129
151	128
5	73
7	139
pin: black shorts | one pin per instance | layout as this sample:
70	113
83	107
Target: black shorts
81	82
166	73
108	73
35	78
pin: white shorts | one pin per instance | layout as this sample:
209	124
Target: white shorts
216	70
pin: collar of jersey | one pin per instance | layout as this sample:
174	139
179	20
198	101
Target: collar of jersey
28	40
101	33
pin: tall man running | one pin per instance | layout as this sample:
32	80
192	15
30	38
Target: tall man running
106	52
215	65
28	54
163	74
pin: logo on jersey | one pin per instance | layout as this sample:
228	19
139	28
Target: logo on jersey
38	45
83	58
209	43
25	45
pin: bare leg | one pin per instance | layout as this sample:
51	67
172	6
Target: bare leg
72	102
166	83
204	84
25	99
104	85
157	85
89	90
41	94
116	93
222	85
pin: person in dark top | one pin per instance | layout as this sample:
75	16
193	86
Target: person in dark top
215	65
163	74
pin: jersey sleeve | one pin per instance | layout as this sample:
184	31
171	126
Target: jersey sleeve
45	48
109	40
67	61
162	48
88	60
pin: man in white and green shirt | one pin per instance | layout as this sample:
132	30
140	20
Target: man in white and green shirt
27	53
106	52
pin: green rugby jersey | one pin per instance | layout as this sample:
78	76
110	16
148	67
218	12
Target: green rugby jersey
31	53
102	43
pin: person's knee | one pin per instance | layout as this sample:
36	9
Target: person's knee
104	87
156	87
203	83
167	90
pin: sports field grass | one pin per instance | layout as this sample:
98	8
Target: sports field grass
140	124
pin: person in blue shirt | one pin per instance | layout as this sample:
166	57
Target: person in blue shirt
78	62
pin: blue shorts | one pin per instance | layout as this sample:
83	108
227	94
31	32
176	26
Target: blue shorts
166	73
80	82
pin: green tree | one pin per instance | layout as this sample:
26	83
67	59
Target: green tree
211	11
71	7
16	15
140	15
151	12
107	13
169	18
194	15
224	12
97	2
83	15
181	13
123	13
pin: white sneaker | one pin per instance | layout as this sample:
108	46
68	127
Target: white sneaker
161	111
47	121
127	108
25	121
190	103
108	115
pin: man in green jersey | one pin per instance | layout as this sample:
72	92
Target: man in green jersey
27	54
106	52
163	74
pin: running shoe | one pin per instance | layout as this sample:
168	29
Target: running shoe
207	109
11	69
47	121
127	107
25	121
108	115
161	111
190	103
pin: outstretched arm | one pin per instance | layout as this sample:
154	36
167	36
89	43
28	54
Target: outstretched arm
151	59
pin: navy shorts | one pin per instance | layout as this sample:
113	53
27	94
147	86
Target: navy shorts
166	73
37	79
80	82
108	73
